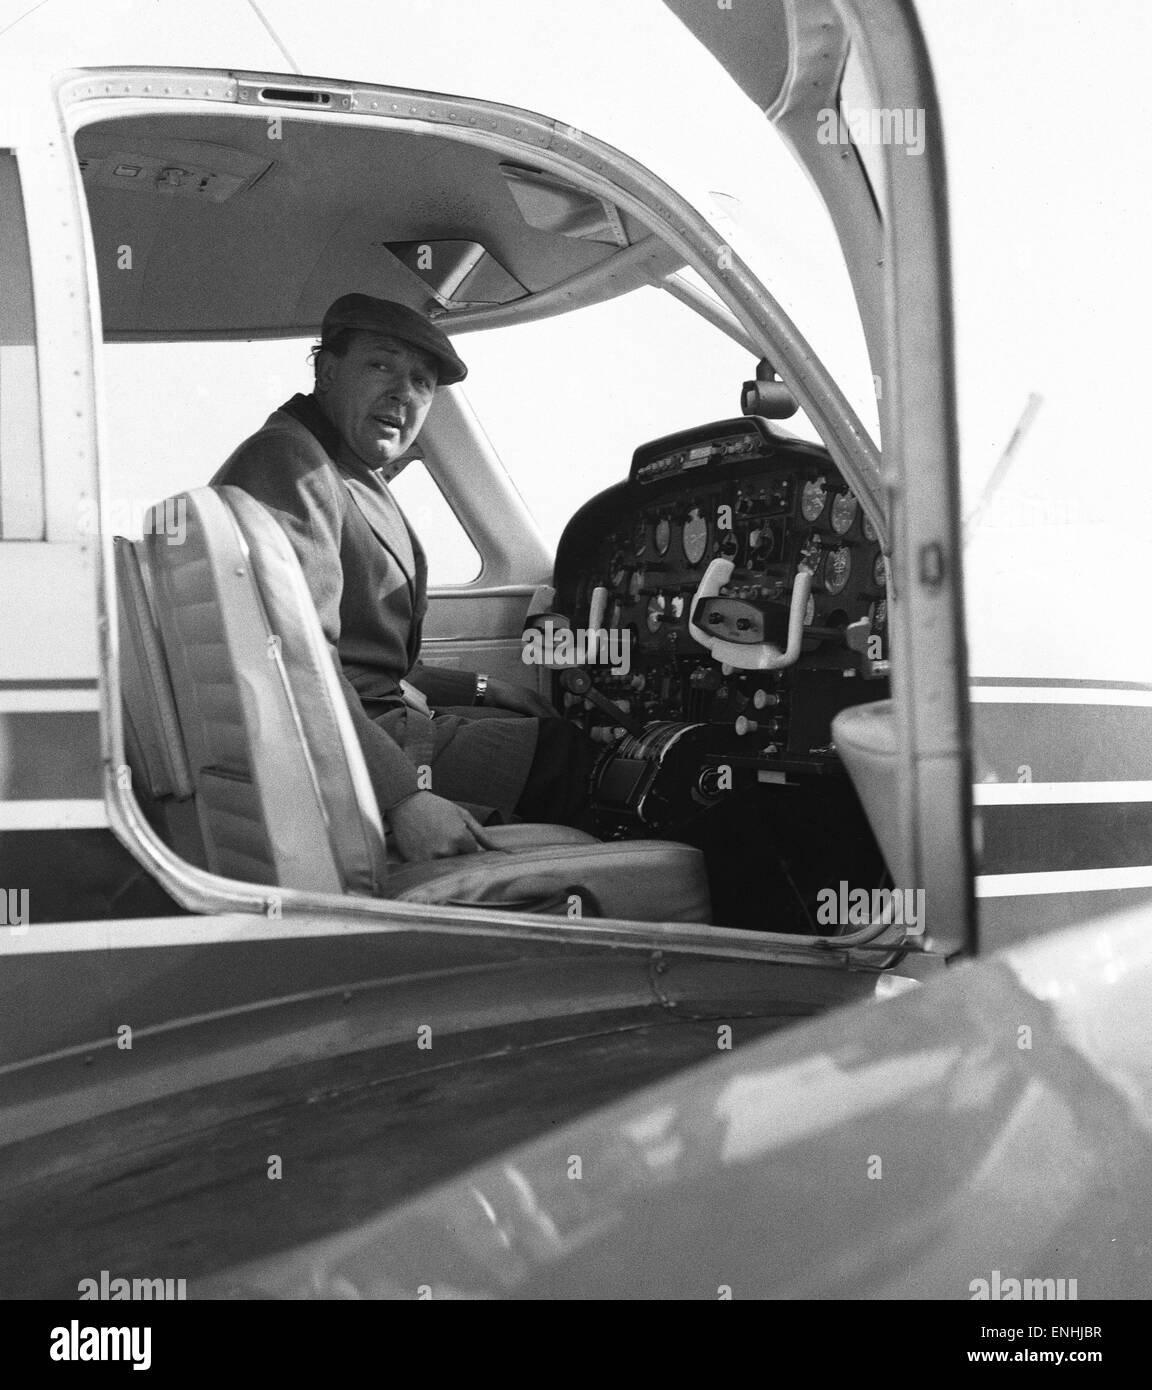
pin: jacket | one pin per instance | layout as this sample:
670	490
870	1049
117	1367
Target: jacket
367	574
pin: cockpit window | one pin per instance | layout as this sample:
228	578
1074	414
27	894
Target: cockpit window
452	558
21	475
589	385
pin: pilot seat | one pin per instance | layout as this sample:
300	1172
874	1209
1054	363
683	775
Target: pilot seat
245	759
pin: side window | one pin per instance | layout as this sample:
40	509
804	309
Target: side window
452	558
21	474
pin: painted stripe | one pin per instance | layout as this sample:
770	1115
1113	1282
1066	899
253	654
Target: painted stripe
1060	836
1063	881
1062	682
1058	793
1057	695
146	933
1062	743
52	815
33	701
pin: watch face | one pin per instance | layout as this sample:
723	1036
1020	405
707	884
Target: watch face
663	535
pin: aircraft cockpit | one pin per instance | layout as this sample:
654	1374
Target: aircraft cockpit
715	621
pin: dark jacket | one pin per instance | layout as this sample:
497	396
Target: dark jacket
367	574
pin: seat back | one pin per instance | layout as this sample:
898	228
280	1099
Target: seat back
281	791
161	777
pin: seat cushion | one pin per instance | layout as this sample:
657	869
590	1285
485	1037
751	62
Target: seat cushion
646	880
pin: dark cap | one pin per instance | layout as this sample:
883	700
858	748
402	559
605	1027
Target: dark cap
398	321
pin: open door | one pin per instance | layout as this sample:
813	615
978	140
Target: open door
849	86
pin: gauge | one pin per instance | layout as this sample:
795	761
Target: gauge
655	617
880	614
695	536
640	538
844	509
810	611
880	572
868	529
837	569
812	499
663	535
676	608
635	584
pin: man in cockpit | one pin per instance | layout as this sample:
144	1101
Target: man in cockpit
320	464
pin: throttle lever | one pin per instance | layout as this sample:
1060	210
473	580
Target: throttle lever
577	681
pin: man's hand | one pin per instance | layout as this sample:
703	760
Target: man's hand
519	699
426	827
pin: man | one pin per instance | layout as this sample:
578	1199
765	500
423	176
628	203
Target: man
320	465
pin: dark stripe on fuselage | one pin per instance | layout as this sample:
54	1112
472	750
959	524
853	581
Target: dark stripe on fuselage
1047	683
52	755
1061	743
1040	839
49	685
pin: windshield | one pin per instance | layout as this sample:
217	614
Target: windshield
589	387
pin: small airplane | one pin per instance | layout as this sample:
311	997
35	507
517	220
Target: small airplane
676	1058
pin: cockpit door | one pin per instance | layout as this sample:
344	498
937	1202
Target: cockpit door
849	86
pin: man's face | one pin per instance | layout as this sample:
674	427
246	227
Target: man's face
377	395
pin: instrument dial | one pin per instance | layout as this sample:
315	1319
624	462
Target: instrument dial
663	535
635	584
640	538
868	529
695	536
812	499
761	541
880	572
676	608
844	509
810	611
655	617
837	569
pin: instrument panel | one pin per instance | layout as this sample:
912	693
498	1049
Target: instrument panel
746	597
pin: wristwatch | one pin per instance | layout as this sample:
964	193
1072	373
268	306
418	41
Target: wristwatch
481	690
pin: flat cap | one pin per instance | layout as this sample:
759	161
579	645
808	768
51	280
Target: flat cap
398	321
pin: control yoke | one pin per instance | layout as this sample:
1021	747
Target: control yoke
758	656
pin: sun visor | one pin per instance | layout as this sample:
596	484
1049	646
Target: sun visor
551	205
